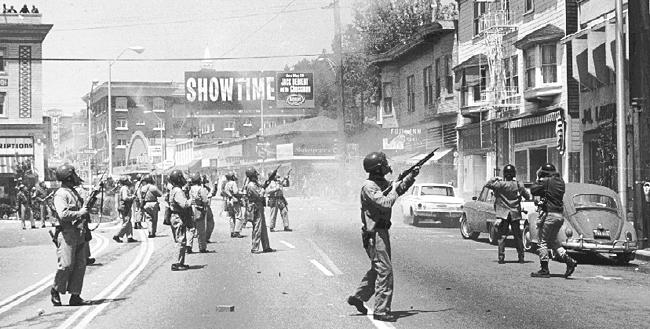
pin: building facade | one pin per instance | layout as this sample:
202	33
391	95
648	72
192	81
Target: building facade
514	84
418	109
21	116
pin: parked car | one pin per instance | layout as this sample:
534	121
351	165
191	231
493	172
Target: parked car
479	216
431	203
593	221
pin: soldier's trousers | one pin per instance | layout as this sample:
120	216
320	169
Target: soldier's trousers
379	278
284	213
179	232
127	228
26	215
507	225
39	212
209	223
234	218
199	229
151	212
260	235
72	254
548	226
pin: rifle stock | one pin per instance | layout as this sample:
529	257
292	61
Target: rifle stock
408	171
271	178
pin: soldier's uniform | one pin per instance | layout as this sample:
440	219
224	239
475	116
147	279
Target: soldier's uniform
149	194
209	215
180	209
125	202
278	203
137	211
255	211
507	205
376	218
24	200
39	206
200	201
232	205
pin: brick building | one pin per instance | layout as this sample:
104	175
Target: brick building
21	115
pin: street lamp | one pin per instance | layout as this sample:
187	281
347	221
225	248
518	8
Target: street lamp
138	50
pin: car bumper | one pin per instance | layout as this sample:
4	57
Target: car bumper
437	215
617	246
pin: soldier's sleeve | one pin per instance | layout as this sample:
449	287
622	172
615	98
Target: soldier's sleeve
491	184
181	200
405	184
62	204
537	188
524	192
203	194
373	193
253	192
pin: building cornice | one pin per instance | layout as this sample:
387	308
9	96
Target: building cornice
24	32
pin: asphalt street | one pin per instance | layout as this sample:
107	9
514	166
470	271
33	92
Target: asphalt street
441	281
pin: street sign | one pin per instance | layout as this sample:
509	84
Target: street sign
89	151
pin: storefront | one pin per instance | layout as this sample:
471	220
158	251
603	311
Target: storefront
14	151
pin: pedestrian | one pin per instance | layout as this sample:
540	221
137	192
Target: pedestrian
12	10
39	205
209	215
200	201
72	249
125	199
233	203
149	195
550	187
24	9
278	203
255	209
180	216
508	193
34	9
24	200
138	213
376	205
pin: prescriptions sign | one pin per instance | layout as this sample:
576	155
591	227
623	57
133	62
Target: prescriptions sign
295	90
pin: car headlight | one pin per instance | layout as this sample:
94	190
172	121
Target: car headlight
568	232
419	205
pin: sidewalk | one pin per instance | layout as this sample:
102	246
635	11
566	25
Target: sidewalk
643	254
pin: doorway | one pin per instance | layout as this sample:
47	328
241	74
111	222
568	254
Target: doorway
538	157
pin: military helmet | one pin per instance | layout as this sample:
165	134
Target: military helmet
251	172
374	161
233	175
195	178
546	169
138	177
509	171
204	179
176	177
65	172
147	179
124	180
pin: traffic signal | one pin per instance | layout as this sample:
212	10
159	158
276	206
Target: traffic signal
560	127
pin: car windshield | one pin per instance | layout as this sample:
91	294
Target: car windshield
437	190
594	201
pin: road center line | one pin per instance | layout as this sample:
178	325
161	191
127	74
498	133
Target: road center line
287	244
110	287
324	256
321	267
25	294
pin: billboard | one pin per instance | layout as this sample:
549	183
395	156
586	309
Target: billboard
295	90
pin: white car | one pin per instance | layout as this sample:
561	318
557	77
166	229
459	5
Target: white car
431	203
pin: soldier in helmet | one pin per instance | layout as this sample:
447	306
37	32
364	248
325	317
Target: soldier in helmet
377	198
209	216
255	209
508	193
550	187
72	247
232	204
278	203
124	206
149	194
138	212
200	201
181	216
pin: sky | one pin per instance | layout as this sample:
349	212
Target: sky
173	29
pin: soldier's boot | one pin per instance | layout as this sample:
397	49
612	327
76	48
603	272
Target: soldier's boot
521	259
502	259
543	272
76	300
56	298
571	265
358	303
90	260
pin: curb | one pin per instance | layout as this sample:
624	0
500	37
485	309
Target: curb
643	255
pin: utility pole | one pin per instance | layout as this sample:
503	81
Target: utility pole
621	123
338	44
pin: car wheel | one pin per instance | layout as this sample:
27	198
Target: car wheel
416	220
527	240
624	258
465	231
492	235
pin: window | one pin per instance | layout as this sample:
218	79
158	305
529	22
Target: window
158	104
2	59
140	122
121	124
410	93
510	72
387	102
428	86
270	124
2	103
530	5
449	75
230	126
529	66
212	130
549	64
482	85
121	143
248	123
479	10
121	104
160	125
437	78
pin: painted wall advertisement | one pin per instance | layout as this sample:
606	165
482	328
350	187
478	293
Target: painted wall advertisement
403	139
295	90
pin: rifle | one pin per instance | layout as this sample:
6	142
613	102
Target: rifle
408	171
271	178
92	199
286	182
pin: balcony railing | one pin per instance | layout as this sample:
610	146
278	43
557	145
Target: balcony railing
496	20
